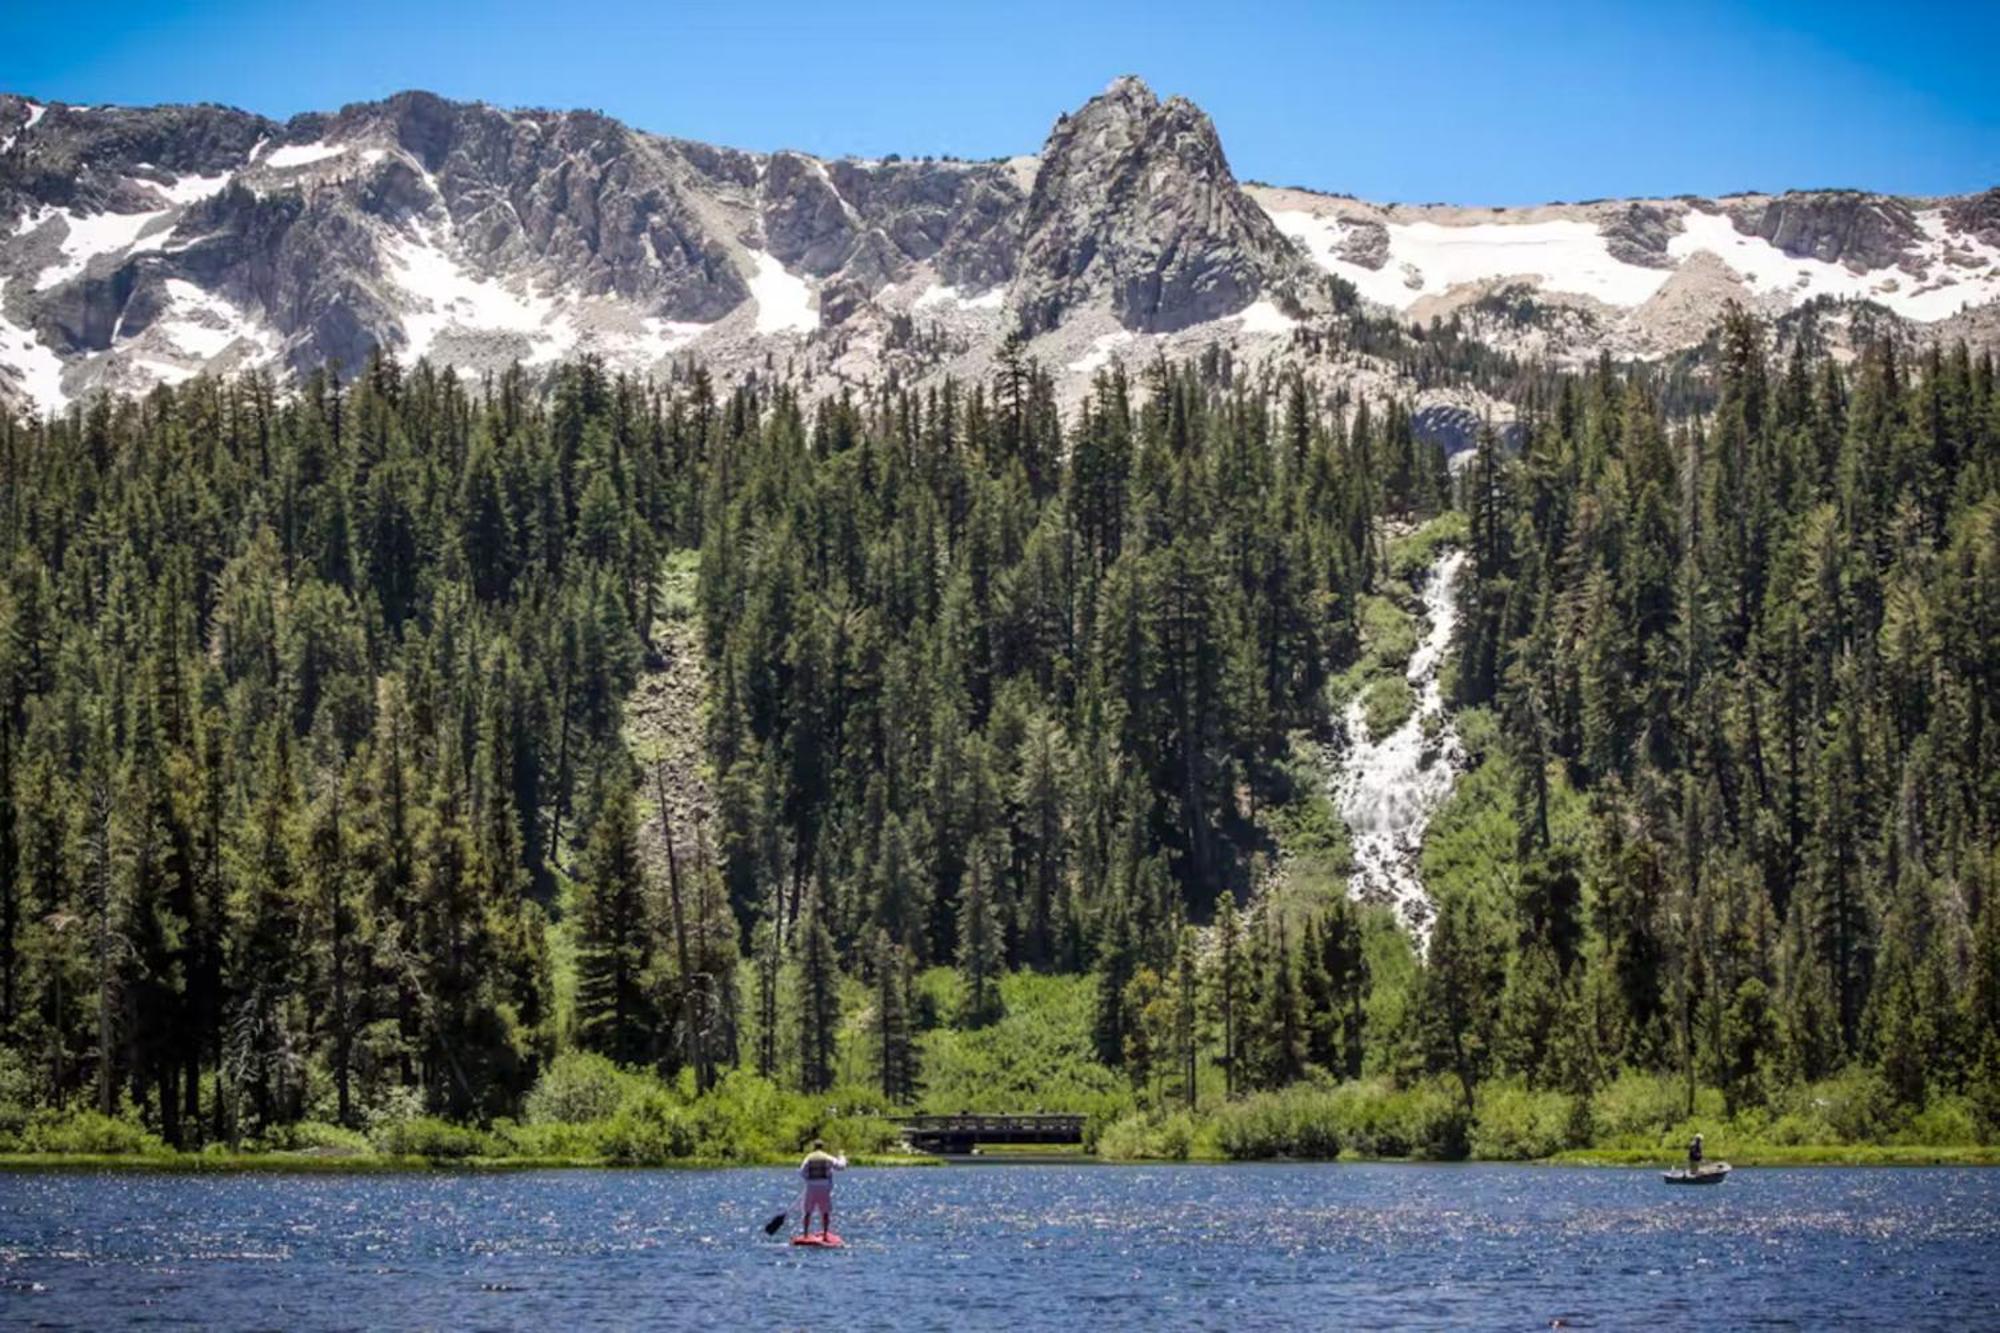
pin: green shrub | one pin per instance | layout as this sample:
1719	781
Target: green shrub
1638	1109
579	1087
1388	705
1301	1122
1857	1105
1040	1055
317	1136
860	1134
1792	1130
649	1129
1160	1138
1432	1115
1411	556
1388	633
1515	1124
87	1133
745	1117
1947	1122
429	1137
552	1139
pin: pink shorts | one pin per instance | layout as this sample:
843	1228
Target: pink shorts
819	1196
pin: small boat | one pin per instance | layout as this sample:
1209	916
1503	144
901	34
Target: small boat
1708	1175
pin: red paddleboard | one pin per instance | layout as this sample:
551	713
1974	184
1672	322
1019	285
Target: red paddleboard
821	1242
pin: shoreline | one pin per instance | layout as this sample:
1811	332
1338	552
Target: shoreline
296	1163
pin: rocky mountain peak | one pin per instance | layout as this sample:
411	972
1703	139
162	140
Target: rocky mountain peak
1135	205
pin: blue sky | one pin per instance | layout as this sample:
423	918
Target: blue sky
1500	103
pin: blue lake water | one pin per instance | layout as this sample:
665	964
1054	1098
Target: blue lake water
1021	1247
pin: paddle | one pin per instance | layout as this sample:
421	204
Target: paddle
771	1227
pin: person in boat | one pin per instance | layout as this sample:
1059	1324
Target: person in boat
817	1171
1694	1156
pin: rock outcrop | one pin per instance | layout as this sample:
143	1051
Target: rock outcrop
146	245
1862	231
1638	234
1135	205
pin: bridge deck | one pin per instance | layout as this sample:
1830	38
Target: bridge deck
960	1133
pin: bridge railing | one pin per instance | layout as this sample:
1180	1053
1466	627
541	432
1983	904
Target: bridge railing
1037	1127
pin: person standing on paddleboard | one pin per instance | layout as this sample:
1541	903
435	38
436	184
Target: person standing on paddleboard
817	1171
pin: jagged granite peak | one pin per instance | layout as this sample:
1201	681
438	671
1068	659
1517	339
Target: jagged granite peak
1135	204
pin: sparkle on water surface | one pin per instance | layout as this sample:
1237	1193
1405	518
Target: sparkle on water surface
1018	1247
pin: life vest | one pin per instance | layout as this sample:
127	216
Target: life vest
819	1168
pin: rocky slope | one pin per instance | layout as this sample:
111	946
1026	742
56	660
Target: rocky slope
1649	277
146	245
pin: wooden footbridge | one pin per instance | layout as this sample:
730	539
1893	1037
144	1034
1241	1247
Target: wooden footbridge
957	1135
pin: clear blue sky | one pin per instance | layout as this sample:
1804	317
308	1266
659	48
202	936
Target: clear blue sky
1496	103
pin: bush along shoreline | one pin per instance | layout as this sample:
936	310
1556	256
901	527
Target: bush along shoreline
586	1112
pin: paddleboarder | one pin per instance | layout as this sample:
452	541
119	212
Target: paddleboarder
817	1171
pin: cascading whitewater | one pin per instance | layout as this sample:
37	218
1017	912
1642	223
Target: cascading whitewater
1388	790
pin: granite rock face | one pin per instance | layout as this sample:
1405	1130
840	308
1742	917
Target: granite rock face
141	245
1135	203
1862	231
1365	242
1977	215
1638	234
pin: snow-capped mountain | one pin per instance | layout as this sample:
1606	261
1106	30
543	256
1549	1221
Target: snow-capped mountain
146	245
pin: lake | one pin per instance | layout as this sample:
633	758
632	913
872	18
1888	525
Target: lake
1022	1247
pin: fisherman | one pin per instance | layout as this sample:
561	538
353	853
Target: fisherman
817	1171
1694	1156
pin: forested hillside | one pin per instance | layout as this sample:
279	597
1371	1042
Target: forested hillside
321	804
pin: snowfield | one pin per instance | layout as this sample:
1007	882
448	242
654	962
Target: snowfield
445	296
1428	259
88	236
201	325
943	294
37	367
302	154
784	301
1263	317
1765	269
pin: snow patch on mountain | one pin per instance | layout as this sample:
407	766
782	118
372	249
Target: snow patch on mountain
87	236
35	364
1429	259
302	154
944	294
1948	285
1263	317
448	297
35	112
1944	273
784	301
193	189
1100	353
202	325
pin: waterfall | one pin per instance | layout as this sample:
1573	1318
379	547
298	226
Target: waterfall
1388	790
